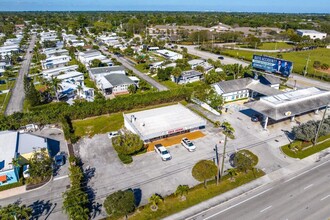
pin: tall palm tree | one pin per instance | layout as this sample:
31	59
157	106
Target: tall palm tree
228	130
15	211
79	89
55	84
181	190
155	199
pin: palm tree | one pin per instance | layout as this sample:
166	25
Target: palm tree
79	89
176	72
55	83
228	130
155	199
181	190
15	211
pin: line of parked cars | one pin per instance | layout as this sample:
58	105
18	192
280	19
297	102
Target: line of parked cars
165	154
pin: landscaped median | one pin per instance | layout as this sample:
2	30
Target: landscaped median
302	150
173	203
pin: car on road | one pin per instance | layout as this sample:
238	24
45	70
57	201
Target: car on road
221	58
188	144
59	160
113	134
26	171
163	152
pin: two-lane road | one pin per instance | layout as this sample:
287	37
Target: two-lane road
303	196
17	98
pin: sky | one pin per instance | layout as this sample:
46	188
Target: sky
281	6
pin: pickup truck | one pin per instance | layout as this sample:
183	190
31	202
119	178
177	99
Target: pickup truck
163	153
188	144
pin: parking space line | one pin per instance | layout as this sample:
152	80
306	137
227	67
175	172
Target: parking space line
325	197
60	177
308	186
266	208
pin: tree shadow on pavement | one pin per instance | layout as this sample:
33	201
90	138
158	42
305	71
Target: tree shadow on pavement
40	208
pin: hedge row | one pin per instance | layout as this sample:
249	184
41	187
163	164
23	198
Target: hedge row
54	112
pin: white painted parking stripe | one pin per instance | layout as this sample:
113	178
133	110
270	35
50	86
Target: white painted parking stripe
60	177
325	197
308	186
266	208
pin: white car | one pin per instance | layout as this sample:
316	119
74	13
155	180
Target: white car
113	134
188	144
163	152
26	173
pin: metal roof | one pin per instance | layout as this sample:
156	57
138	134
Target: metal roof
291	103
107	69
119	79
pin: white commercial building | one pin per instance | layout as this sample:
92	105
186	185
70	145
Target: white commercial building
312	34
169	54
163	122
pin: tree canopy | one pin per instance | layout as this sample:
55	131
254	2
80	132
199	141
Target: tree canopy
204	170
120	203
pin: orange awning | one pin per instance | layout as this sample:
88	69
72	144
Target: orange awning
3	178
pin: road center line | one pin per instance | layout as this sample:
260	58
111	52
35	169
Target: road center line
237	204
266	208
308	186
325	197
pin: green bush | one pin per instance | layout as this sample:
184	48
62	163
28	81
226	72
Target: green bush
126	159
13	185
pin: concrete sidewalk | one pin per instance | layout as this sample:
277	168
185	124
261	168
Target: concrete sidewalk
252	186
12	192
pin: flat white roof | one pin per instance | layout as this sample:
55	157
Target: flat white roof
29	142
164	120
8	143
167	53
293	96
69	75
309	31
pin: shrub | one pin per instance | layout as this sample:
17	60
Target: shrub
126	159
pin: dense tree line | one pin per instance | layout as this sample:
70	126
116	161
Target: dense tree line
53	112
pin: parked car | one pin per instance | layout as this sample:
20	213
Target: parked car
188	144
26	171
59	160
221	58
163	152
256	118
113	134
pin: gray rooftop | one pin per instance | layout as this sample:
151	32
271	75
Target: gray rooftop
234	85
269	80
291	103
118	79
107	69
263	89
30	142
191	73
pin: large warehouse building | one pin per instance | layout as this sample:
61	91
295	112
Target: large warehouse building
163	122
290	104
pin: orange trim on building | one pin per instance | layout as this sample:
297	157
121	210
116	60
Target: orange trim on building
3	178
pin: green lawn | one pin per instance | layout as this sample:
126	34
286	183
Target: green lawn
140	67
197	194
278	46
307	152
298	58
98	125
4	100
105	123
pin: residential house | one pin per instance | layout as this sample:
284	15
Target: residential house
55	61
14	145
48	36
49	73
50	52
170	55
115	84
8	50
98	72
86	57
188	77
200	62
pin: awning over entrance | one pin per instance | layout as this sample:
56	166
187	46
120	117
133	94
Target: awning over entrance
3	178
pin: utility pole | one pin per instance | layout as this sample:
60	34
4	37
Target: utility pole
217	162
307	64
223	156
320	125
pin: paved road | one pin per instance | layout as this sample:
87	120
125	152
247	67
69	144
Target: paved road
303	196
304	82
207	55
17	98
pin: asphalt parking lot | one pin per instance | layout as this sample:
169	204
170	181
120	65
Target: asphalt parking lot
148	174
